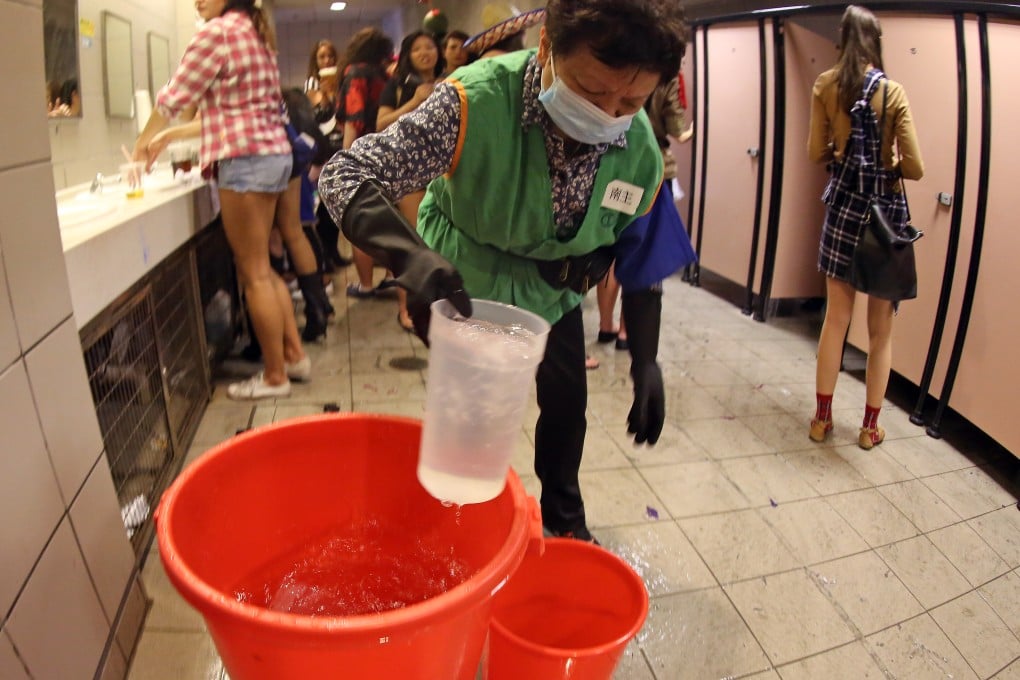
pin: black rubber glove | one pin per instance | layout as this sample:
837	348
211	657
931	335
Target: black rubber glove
642	311
374	224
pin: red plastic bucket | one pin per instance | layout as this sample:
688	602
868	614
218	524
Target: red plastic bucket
568	613
257	495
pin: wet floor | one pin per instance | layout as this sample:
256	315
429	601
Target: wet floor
766	555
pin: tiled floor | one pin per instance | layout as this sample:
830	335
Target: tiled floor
766	555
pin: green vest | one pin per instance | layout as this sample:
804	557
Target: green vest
492	215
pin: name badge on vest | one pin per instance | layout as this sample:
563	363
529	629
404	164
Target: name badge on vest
622	197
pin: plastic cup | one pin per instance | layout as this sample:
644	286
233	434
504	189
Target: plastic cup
131	174
480	375
181	157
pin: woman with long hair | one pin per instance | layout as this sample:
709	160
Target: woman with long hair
323	56
229	72
850	102
363	70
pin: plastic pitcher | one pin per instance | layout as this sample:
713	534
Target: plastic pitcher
568	613
258	495
480	375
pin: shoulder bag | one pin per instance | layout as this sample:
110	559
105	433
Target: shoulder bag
884	264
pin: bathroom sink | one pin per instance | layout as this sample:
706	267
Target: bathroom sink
75	212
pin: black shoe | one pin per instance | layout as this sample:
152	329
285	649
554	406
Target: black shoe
607	336
621	344
579	534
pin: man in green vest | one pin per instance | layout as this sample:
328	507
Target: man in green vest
537	164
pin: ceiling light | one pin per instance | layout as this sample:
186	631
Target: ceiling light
338	6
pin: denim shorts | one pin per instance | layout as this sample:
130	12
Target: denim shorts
265	174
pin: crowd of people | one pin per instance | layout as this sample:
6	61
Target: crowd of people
470	167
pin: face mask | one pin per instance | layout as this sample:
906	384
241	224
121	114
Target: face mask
577	117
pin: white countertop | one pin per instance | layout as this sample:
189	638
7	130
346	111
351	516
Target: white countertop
107	254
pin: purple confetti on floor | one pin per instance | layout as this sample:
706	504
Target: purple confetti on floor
652	512
774	504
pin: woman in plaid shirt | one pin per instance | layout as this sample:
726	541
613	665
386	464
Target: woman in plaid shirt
229	73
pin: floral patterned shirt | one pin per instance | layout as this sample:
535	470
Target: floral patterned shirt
420	146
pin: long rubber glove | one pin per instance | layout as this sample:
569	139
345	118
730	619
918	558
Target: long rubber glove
374	224
642	311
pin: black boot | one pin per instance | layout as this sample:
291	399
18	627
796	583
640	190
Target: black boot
317	306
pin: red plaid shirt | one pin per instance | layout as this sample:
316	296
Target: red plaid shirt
232	76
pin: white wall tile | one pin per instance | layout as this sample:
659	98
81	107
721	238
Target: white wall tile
9	347
133	618
56	371
30	502
33	254
58	624
11	667
115	667
21	52
96	519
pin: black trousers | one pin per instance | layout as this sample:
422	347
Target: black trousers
562	386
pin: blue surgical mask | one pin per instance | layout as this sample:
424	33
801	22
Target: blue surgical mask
577	117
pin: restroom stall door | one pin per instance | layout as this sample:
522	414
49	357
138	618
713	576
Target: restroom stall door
920	53
809	50
987	388
731	176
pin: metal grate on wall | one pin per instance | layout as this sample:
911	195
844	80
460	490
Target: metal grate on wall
145	357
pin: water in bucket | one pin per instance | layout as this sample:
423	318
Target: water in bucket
364	568
480	375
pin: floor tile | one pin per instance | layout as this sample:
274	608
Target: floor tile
813	530
782	432
977	631
614	497
738	545
926	572
826	471
969	553
920	505
918	649
169	611
849	662
699	635
1011	672
877	520
632	665
744	400
876	466
867	591
164	655
1003	594
674	446
925	456
691	489
725	438
765	480
969	492
1001	530
661	554
790	618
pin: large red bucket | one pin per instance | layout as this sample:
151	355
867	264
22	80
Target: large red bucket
566	614
271	490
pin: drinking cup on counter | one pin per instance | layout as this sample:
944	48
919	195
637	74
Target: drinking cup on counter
182	157
480	375
131	174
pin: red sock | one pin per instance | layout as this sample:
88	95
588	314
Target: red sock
870	417
823	411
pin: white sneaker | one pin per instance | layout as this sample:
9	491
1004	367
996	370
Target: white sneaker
300	370
257	388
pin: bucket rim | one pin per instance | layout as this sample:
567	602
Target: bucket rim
490	578
555	543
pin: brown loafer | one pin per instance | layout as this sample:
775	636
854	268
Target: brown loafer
870	437
820	429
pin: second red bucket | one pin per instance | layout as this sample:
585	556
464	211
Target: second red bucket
567	614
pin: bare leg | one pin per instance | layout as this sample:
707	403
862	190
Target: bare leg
247	220
880	318
408	207
606	293
839	308
288	221
363	264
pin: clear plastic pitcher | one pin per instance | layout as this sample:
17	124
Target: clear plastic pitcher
480	375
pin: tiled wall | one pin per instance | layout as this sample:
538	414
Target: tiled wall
65	563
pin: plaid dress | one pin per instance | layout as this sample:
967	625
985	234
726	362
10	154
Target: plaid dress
854	181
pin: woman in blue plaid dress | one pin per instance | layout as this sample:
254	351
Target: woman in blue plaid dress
849	104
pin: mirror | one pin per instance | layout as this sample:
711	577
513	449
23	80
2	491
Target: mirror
60	46
159	63
118	78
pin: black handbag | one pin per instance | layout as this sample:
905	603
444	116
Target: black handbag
883	263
